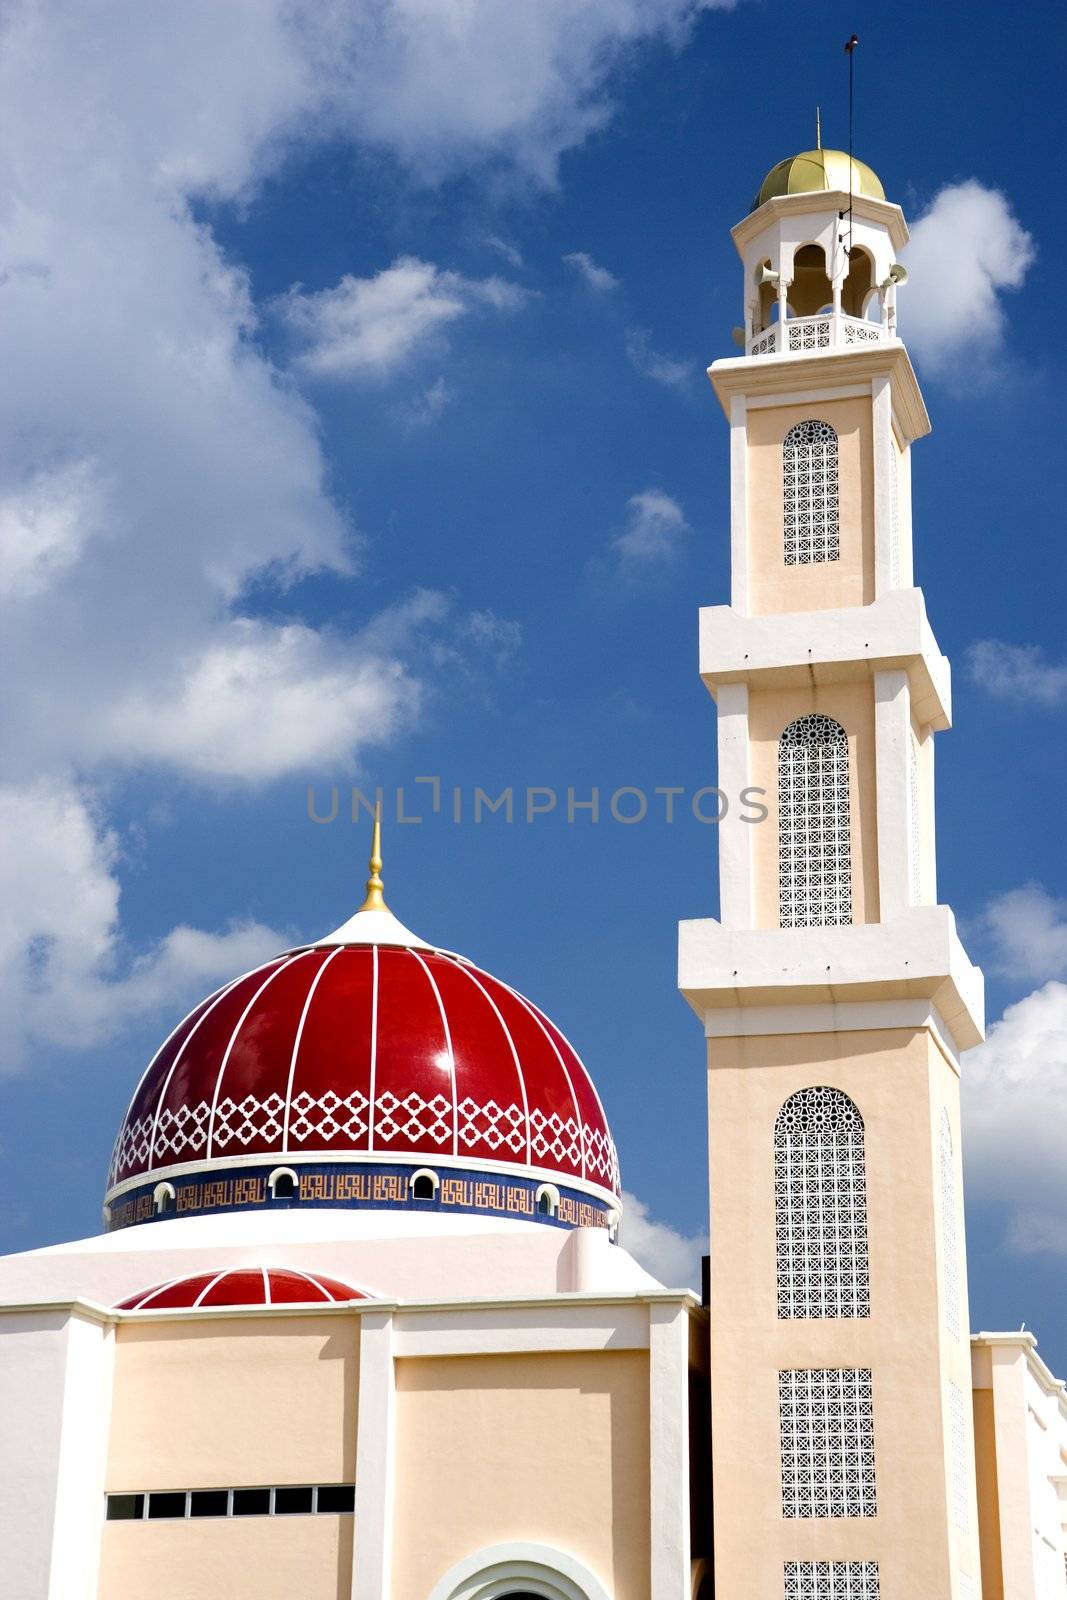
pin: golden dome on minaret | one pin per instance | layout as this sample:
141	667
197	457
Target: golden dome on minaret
813	170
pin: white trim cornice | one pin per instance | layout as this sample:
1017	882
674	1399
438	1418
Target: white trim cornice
788	376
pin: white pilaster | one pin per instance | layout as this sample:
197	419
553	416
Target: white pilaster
892	754
738	504
887	563
735	835
81	1466
375	1459
669	1450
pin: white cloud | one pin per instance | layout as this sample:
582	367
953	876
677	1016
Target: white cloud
426	408
370	326
1017	672
66	978
595	277
966	249
44	525
651	364
510	252
1014	1092
670	1256
262	701
1028	931
653	533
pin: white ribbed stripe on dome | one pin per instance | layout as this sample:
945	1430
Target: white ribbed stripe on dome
150	1294
266	1287
206	1290
465	969
535	1014
284	967
448	1047
372	1088
193	1031
296	1046
588	1077
321	1287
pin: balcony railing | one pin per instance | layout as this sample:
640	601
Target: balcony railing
829	331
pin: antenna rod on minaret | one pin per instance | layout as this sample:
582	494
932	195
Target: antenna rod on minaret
850	49
818	129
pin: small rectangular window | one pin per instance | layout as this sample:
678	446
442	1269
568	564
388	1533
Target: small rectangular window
208	1502
288	1502
251	1502
125	1507
169	1504
336	1497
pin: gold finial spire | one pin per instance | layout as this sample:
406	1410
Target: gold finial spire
375	900
818	129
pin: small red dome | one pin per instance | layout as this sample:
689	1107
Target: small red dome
244	1286
367	1053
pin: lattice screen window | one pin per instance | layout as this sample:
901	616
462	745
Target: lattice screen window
820	1206
949	1243
957	1429
814	839
826	1428
831	1580
810	494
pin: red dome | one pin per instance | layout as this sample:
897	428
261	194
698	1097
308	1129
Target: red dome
367	1053
244	1286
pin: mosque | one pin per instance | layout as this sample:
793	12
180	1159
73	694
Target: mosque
359	1311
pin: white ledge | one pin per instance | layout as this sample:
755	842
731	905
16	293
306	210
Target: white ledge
794	649
915	956
780	376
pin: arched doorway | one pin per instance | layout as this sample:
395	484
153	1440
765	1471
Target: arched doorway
520	1571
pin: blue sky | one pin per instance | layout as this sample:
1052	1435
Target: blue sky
359	433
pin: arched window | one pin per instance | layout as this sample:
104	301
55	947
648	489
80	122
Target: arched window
163	1198
820	1206
424	1184
949	1248
814	844
547	1200
809	489
282	1184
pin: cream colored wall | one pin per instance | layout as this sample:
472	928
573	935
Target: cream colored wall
848	581
899	1080
770	711
232	1401
244	1558
985	1451
552	1448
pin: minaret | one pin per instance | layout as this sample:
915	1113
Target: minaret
835	995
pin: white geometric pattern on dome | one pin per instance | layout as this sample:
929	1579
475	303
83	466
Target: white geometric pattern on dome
949	1243
826	1428
810	494
820	1205
831	1580
814	830
530	1136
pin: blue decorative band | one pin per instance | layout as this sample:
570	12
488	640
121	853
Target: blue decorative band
362	1187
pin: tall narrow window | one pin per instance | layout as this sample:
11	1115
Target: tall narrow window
820	1206
826	1425
949	1247
957	1428
810	497
814	843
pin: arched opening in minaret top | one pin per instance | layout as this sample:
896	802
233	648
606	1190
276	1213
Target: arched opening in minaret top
810	291
857	289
